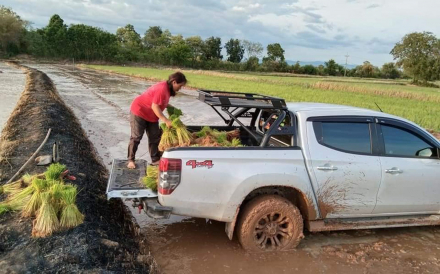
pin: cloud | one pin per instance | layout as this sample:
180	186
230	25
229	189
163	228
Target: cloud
235	8
373	6
313	28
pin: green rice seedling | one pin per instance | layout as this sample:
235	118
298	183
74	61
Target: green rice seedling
11	188
236	143
27	178
56	191
173	111
34	203
18	200
47	220
233	134
221	138
54	171
152	171
150	183
204	132
4	207
70	215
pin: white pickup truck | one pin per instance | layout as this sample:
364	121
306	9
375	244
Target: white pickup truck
325	167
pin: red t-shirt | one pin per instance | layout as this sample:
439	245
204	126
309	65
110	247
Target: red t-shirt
158	94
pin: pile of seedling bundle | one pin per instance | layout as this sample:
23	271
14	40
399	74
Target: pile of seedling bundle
179	136
47	198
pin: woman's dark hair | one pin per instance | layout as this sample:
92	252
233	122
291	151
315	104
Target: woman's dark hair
179	78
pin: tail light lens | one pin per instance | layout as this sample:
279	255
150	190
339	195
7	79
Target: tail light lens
169	175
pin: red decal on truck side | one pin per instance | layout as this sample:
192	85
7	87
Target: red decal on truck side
195	164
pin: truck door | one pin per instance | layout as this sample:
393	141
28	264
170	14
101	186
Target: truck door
346	171
410	170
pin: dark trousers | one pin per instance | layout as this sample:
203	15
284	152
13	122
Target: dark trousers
138	127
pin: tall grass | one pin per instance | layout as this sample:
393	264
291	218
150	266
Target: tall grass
418	104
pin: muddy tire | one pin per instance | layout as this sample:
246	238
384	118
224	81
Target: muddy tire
270	223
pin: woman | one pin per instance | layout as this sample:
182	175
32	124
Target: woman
145	112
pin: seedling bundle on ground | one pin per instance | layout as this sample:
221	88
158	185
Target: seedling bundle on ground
47	198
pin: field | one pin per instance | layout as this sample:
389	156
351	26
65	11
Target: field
418	104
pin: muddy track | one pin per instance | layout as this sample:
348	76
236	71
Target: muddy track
108	240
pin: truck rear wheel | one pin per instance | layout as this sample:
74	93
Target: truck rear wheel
270	223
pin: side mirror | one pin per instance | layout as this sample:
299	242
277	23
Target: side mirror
427	152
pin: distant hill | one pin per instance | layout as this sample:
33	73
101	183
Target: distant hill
316	63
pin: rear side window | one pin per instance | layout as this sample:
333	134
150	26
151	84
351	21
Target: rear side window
345	136
399	142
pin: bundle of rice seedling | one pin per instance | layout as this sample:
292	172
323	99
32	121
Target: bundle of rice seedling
221	137
209	141
27	178
4	207
11	188
19	199
150	181
205	131
33	204
54	171
183	136
70	215
56	190
47	220
233	134
168	139
236	143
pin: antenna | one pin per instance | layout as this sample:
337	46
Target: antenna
378	107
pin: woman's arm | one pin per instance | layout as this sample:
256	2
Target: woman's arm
156	109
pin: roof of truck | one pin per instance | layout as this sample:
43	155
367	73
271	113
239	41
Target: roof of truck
341	109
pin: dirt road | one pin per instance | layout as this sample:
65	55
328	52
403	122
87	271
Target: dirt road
12	82
187	245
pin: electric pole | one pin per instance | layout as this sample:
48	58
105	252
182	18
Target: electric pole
346	60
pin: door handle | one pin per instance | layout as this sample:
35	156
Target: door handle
393	171
327	168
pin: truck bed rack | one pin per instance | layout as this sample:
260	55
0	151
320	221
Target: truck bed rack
237	99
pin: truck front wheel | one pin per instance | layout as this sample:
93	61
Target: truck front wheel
270	223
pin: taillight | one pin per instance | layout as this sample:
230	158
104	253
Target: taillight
169	175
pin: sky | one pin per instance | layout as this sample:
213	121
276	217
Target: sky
307	30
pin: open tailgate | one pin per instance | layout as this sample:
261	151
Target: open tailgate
127	183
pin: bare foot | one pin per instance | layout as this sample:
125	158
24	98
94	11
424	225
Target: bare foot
131	165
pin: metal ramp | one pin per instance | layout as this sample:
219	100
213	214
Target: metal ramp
127	183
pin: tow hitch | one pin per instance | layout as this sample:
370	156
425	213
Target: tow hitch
152	208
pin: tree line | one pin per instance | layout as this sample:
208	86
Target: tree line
417	54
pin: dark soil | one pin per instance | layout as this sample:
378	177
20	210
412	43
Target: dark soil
108	241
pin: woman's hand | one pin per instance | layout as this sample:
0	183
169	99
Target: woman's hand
168	122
